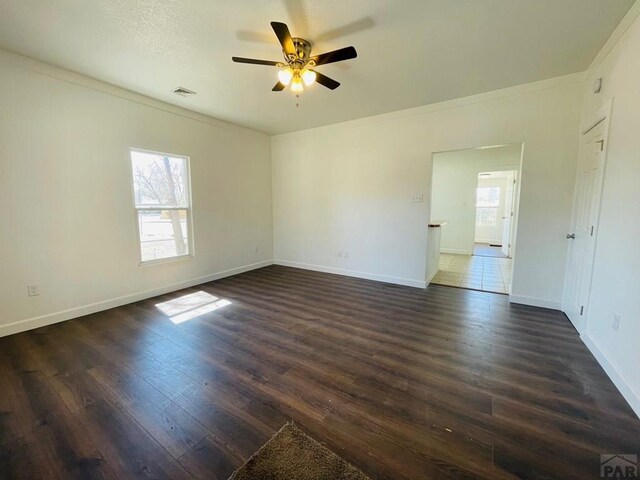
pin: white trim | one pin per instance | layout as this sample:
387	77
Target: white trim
435	272
614	38
619	380
534	302
84	81
489	241
188	208
61	316
456	251
407	282
160	261
461	102
591	120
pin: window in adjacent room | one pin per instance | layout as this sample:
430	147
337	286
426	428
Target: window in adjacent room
487	204
161	190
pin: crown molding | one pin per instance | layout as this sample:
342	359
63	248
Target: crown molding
573	79
624	25
83	81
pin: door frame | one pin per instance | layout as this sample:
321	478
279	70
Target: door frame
507	203
510	213
601	115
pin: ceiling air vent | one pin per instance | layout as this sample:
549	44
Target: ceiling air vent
183	92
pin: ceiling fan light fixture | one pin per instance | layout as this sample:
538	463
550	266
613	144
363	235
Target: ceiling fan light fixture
285	75
308	76
297	70
296	84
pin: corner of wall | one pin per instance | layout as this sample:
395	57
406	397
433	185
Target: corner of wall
618	378
407	282
534	302
61	316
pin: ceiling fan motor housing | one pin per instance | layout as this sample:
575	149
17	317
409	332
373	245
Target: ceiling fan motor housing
298	67
303	52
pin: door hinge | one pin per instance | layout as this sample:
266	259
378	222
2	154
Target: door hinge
581	310
592	230
601	142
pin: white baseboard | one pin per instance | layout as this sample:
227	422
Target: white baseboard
456	251
431	277
534	302
61	316
352	273
489	241
630	394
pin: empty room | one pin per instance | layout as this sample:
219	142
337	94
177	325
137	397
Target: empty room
319	240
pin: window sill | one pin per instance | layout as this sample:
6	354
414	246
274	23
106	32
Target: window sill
159	261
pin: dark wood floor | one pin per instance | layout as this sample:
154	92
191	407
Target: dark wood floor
403	383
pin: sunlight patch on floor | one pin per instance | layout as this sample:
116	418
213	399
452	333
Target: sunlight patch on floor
191	306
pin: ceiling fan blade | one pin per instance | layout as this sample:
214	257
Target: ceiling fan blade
254	61
282	32
335	56
278	87
348	29
323	80
297	14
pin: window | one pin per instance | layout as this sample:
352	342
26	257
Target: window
162	202
487	204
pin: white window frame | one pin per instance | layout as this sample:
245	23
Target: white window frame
497	207
188	208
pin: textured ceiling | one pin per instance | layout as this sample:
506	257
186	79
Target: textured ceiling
410	52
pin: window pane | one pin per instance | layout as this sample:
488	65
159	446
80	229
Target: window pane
488	197
163	234
159	180
487	216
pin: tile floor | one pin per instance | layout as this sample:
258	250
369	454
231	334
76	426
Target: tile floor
489	274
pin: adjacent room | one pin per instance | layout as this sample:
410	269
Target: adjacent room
474	200
319	240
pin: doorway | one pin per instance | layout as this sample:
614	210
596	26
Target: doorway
475	196
495	210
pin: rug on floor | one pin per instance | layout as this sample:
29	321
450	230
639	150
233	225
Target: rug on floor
291	454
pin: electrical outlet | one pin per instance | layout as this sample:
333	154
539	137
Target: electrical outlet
33	289
417	198
616	321
346	254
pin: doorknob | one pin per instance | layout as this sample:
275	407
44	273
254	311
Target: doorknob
571	236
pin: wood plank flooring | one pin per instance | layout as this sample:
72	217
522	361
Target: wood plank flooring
404	383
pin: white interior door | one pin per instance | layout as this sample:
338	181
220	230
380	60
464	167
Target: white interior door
490	208
509	210
582	238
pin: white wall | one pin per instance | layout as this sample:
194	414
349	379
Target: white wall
66	201
453	190
350	186
616	275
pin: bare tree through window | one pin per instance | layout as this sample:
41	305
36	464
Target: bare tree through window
487	204
161	198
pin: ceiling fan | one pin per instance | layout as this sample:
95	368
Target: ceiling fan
298	68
